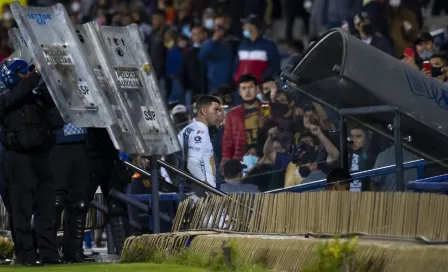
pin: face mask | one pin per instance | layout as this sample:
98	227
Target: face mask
7	16
426	55
395	3
260	96
250	161
209	23
436	71
169	44
304	171
246	34
267	96
279	109
196	45
75	7
186	31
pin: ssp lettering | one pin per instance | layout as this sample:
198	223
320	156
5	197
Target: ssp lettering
83	90
149	115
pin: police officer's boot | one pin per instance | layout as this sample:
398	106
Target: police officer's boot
60	205
117	223
77	214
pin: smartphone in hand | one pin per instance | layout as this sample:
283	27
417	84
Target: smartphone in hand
409	52
427	66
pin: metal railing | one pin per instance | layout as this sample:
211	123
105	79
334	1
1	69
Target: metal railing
358	175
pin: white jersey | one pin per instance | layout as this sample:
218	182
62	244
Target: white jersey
198	150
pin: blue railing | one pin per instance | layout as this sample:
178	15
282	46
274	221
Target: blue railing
437	183
363	174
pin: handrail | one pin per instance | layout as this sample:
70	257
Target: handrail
146	173
428	186
434	179
137	204
358	175
184	174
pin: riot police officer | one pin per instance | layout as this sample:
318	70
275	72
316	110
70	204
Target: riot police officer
27	135
108	171
71	176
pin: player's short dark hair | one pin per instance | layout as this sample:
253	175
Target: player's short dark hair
204	101
247	78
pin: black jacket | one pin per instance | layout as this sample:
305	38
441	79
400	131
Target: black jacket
26	116
192	73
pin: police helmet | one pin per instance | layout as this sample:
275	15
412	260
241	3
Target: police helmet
10	70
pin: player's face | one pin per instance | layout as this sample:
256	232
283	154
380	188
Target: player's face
214	114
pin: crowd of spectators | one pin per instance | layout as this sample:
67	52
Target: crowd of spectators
220	48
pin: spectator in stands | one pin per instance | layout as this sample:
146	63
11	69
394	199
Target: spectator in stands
388	183
424	45
251	158
193	72
173	66
256	54
180	116
224	21
360	157
439	67
293	9
327	151
309	168
367	35
233	177
243	122
216	56
296	49
404	27
376	11
328	14
292	175
338	179
208	20
156	47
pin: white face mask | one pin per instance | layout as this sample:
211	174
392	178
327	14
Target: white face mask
395	3
76	6
7	16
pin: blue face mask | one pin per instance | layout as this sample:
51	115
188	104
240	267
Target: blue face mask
186	31
209	23
260	97
246	34
426	55
250	161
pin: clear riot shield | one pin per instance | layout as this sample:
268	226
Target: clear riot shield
21	48
124	134
62	61
129	71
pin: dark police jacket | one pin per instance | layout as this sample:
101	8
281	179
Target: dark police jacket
28	116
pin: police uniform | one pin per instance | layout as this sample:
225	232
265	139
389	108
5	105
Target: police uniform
71	176
107	171
27	137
